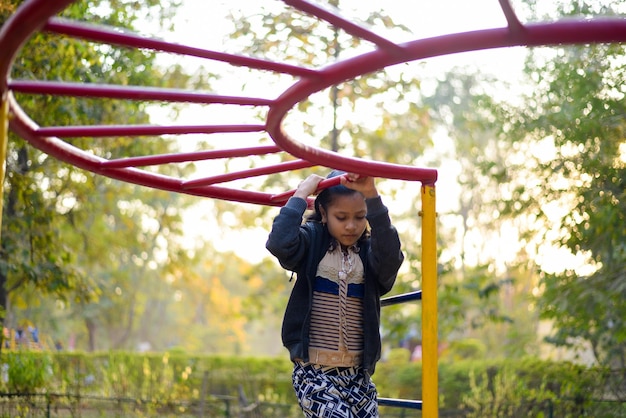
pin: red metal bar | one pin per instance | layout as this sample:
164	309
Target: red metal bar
324	184
352	28
514	23
112	91
253	172
189	156
142	130
565	32
112	36
23	126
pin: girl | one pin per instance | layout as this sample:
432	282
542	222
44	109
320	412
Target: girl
332	320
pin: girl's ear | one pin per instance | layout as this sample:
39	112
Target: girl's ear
323	213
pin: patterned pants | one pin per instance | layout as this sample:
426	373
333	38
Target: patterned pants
334	392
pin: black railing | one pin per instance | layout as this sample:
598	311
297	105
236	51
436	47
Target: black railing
395	300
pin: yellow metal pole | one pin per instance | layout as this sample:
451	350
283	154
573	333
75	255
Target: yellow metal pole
430	355
4	139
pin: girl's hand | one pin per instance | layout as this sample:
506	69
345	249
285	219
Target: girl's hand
308	187
364	184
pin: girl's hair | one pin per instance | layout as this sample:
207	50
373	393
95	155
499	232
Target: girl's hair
326	197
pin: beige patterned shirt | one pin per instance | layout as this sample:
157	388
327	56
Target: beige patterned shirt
336	333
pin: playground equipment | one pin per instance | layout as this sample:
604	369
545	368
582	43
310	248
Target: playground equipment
39	15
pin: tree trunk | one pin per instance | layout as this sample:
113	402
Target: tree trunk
91	332
3	306
122	339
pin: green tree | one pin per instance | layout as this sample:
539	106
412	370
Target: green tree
585	129
481	293
572	192
70	234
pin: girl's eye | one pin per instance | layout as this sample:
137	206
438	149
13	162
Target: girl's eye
345	218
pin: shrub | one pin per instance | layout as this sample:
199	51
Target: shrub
521	387
25	372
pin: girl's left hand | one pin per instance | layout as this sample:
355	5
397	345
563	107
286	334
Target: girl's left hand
364	184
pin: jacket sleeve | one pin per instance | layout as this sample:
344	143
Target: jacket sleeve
385	256
288	239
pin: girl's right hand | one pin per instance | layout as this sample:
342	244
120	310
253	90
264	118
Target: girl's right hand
308	186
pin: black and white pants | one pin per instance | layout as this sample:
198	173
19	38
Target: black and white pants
334	392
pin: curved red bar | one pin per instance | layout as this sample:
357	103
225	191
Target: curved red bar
30	17
34	15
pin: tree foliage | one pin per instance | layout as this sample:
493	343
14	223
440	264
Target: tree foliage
68	233
101	264
482	289
571	133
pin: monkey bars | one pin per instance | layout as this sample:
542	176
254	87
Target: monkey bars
36	15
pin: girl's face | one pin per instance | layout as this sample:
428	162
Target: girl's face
345	218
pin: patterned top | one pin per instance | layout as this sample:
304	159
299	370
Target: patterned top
336	334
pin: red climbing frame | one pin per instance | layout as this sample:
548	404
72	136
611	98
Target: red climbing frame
38	15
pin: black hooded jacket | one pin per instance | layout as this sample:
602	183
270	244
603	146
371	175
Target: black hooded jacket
300	247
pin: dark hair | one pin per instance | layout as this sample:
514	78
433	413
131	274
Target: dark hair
326	197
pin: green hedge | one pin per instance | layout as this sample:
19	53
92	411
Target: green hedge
510	388
528	387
